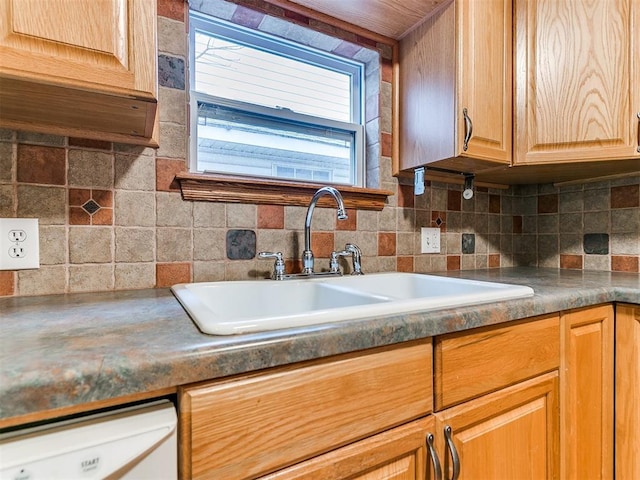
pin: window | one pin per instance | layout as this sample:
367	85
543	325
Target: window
268	107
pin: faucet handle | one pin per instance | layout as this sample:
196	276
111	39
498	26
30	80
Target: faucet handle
278	267
334	266
356	258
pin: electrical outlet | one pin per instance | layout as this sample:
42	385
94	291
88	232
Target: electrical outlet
19	243
430	240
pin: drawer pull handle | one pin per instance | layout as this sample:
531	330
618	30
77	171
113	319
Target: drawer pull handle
638	149
437	469
455	459
468	129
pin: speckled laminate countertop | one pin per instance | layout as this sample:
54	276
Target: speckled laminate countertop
64	350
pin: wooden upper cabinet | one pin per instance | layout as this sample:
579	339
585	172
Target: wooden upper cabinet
84	68
458	60
577	80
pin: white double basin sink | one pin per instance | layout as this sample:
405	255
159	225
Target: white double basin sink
233	307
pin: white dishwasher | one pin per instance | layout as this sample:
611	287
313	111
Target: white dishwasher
138	442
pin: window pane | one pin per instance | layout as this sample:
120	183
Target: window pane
233	141
234	71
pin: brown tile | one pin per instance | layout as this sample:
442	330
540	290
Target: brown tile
89	143
624	263
494	204
439	220
454	200
404	264
322	244
37	164
172	9
79	196
7	283
77	216
494	260
625	196
386	147
270	216
406	197
168	274
571	261
293	265
517	224
297	17
166	170
453	262
104	216
350	223
548	203
104	198
386	244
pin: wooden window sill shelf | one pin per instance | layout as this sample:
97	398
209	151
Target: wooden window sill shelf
231	189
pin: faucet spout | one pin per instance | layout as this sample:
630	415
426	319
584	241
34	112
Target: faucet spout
307	255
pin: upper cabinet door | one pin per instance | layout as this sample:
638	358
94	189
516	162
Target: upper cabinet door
89	44
458	60
84	68
577	80
485	79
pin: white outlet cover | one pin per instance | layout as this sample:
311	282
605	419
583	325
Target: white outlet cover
430	240
25	230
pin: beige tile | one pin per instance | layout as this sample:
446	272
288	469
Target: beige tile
46	280
597	262
90	168
135	172
388	219
173	141
46	203
136	150
7	135
90	244
172	37
6	201
173	245
241	215
135	209
209	244
208	271
172	104
90	278
241	270
135	244
40	138
6	162
294	218
53	245
172	211
367	220
135	275
209	214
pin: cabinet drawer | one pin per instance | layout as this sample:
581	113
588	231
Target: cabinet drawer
255	424
469	364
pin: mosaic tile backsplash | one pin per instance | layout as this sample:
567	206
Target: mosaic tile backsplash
111	216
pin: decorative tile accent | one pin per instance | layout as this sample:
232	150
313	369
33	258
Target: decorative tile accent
241	244
596	243
468	243
171	72
90	207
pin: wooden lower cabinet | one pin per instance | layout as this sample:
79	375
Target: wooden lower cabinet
398	454
586	393
627	425
508	434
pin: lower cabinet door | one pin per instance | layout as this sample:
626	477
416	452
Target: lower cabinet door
509	434
397	454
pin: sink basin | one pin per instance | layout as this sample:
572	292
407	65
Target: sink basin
225	308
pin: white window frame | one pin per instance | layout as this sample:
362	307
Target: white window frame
202	22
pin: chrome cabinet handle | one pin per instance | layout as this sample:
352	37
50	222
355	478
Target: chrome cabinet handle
638	149
437	469
455	459
468	129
